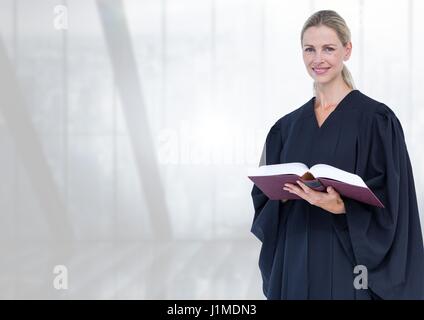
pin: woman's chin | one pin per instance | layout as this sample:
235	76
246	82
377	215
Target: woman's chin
322	81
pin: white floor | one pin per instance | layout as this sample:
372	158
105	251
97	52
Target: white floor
133	270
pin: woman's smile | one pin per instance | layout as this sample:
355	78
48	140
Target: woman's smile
320	71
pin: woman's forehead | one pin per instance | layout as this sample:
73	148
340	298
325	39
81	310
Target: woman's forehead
321	35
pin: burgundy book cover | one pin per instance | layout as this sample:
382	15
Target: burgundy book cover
272	187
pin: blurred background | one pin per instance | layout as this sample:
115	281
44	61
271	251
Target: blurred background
127	127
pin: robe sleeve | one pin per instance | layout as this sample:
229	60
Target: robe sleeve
387	241
266	217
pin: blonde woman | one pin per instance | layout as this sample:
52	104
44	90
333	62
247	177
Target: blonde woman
323	245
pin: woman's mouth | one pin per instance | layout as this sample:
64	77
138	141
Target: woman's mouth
320	71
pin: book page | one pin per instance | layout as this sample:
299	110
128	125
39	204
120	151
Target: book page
281	168
330	172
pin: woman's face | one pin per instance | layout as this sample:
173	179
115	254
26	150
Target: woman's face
323	54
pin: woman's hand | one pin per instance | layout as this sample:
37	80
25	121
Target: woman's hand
329	201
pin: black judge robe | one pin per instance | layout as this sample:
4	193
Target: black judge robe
309	253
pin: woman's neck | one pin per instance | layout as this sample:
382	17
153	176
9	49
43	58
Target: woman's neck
329	97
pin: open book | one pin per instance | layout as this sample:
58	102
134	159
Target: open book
270	180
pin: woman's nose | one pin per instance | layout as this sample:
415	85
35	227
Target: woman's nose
317	58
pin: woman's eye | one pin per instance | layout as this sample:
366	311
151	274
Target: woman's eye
310	49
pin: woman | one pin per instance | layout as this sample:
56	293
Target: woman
326	246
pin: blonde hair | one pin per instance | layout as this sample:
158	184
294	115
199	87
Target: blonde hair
333	20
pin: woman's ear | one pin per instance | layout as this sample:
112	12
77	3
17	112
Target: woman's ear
348	49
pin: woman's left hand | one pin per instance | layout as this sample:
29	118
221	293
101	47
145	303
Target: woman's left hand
329	201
